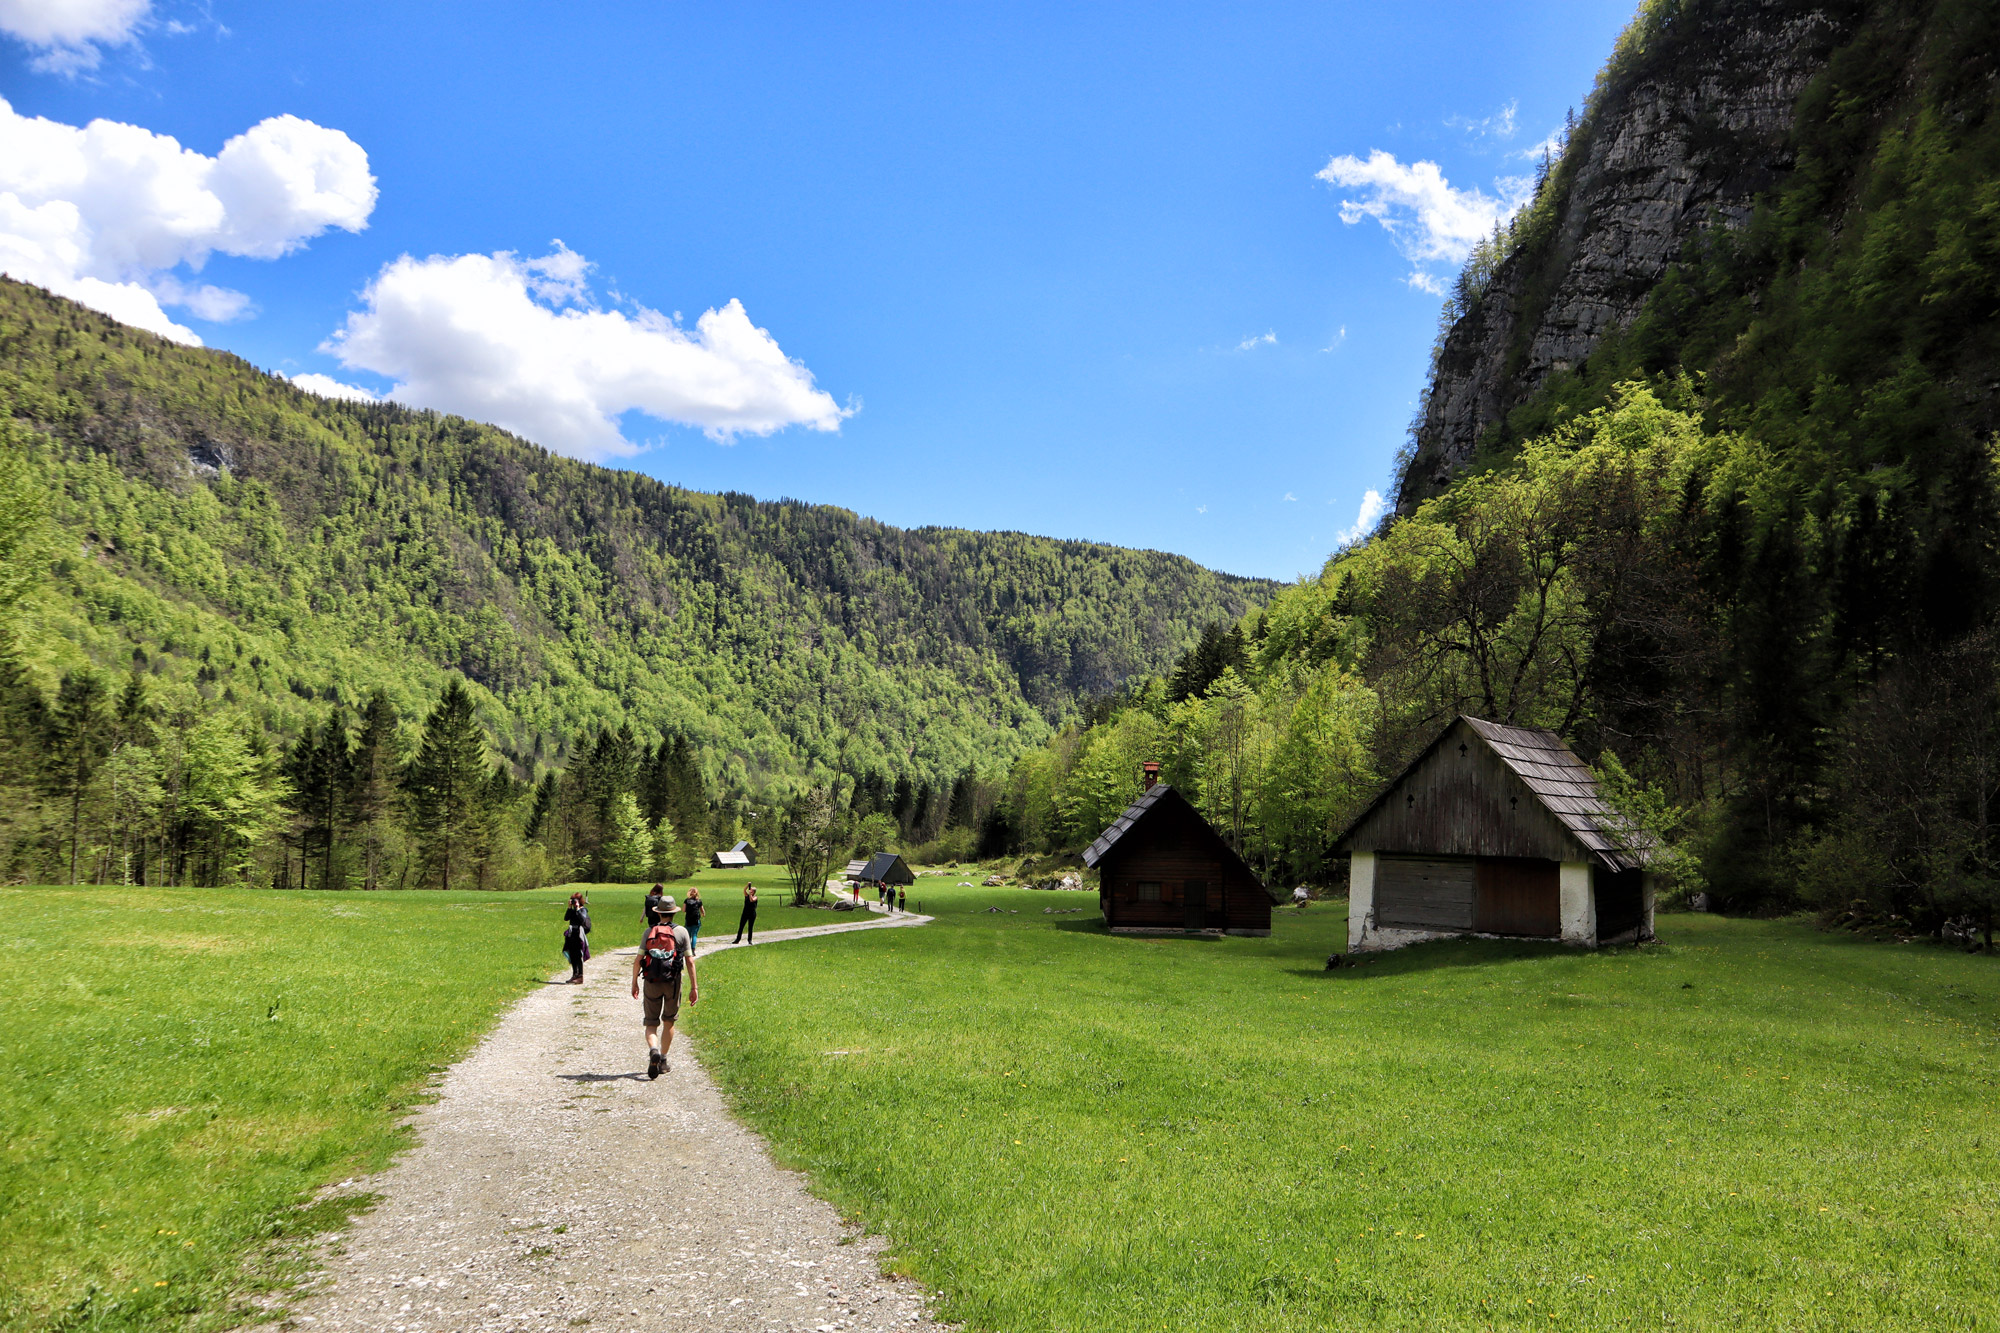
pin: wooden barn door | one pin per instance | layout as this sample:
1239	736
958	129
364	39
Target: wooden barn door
1194	896
1517	896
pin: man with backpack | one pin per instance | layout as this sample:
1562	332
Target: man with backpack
664	954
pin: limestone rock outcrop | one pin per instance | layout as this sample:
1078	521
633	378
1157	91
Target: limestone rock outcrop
1686	135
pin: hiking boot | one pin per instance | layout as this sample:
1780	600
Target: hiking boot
655	1062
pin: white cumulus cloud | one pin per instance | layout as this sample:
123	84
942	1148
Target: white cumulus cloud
519	342
326	386
105	213
67	34
1373	506
1430	221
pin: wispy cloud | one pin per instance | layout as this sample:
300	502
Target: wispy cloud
1201	509
68	35
1253	342
1338	339
1430	222
1290	498
1373	506
1502	124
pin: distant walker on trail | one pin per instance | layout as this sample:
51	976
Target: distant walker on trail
654	898
696	909
748	921
576	937
664	954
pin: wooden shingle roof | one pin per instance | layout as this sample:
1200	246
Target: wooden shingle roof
1554	777
1107	839
1561	782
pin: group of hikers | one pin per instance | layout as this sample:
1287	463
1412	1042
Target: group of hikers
889	896
666	950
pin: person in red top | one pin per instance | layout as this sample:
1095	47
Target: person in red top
664	954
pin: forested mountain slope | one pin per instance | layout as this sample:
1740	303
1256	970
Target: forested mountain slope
275	551
1707	479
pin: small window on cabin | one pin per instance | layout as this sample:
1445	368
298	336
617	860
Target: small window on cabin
1149	890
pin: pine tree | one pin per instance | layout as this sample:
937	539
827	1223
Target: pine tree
79	738
447	783
628	853
371	792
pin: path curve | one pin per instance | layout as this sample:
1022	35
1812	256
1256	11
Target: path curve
554	1187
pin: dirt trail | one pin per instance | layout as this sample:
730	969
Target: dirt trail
554	1187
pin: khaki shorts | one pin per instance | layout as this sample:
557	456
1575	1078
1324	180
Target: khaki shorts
662	1002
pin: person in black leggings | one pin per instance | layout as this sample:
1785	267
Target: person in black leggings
748	921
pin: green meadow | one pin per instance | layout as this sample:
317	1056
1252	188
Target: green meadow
1750	1125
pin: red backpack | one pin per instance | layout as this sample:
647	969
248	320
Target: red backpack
662	954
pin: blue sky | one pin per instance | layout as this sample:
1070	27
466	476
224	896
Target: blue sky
1070	269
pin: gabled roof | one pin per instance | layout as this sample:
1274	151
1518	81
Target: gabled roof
727	860
1147	800
881	865
1562	782
1150	801
1550	770
854	869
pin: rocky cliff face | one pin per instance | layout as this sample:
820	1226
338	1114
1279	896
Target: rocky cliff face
1685	135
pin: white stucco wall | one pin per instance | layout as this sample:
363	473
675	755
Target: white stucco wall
1360	899
1579	904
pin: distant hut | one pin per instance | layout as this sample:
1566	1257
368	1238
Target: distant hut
1493	831
854	869
886	868
738	857
1161	867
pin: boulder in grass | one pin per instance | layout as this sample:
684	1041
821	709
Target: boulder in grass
994	881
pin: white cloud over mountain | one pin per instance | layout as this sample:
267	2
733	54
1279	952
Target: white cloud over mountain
1373	506
326	386
67	34
104	213
1430	221
520	342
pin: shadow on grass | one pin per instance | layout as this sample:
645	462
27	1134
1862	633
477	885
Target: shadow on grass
1437	955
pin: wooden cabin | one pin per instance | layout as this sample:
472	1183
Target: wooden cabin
1494	831
736	858
1162	868
883	868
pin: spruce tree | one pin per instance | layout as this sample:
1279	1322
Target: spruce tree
447	783
79	738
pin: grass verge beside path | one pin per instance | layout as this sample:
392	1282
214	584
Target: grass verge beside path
180	1068
1752	1125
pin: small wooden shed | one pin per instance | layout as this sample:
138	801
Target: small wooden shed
1495	831
736	858
1162	868
885	868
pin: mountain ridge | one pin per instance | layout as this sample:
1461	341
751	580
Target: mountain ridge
778	635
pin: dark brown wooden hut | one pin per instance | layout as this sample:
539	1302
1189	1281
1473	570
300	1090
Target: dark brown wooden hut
1162	868
1493	830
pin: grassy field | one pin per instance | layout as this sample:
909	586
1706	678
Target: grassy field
180	1069
1752	1125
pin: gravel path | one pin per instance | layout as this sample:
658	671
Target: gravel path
554	1187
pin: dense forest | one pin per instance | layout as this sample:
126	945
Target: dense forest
212	567
1742	555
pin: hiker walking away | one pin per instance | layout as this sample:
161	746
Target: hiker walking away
696	910
576	926
653	901
664	954
748	921
902	900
